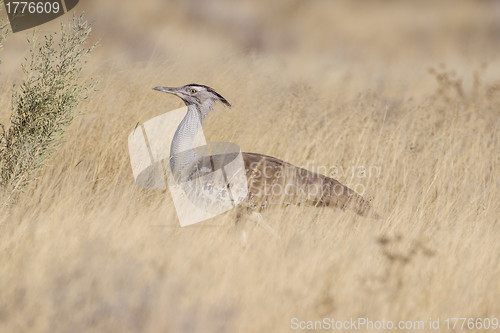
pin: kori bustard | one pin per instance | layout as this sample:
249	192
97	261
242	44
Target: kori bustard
299	186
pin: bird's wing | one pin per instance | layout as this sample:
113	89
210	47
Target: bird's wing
273	181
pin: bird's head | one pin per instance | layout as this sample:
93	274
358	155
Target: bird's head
196	94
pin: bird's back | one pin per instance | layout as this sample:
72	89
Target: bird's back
272	181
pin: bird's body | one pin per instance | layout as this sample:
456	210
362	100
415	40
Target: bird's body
270	181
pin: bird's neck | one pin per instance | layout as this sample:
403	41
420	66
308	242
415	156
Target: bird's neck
182	154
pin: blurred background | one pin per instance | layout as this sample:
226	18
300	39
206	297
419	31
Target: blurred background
378	43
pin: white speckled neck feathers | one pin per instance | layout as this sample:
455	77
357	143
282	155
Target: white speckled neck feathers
182	154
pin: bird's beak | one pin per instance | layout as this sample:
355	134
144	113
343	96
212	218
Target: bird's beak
167	90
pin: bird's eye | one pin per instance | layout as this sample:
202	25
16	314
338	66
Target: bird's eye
192	91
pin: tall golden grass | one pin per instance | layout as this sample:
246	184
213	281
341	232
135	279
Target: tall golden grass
396	85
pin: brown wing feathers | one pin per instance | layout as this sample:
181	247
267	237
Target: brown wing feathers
272	181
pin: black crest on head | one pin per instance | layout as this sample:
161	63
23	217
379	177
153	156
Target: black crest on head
222	99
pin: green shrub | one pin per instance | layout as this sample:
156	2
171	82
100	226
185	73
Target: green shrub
44	104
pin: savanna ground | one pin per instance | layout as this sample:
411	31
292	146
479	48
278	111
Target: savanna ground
408	87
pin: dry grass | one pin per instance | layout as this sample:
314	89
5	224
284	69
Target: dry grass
86	249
